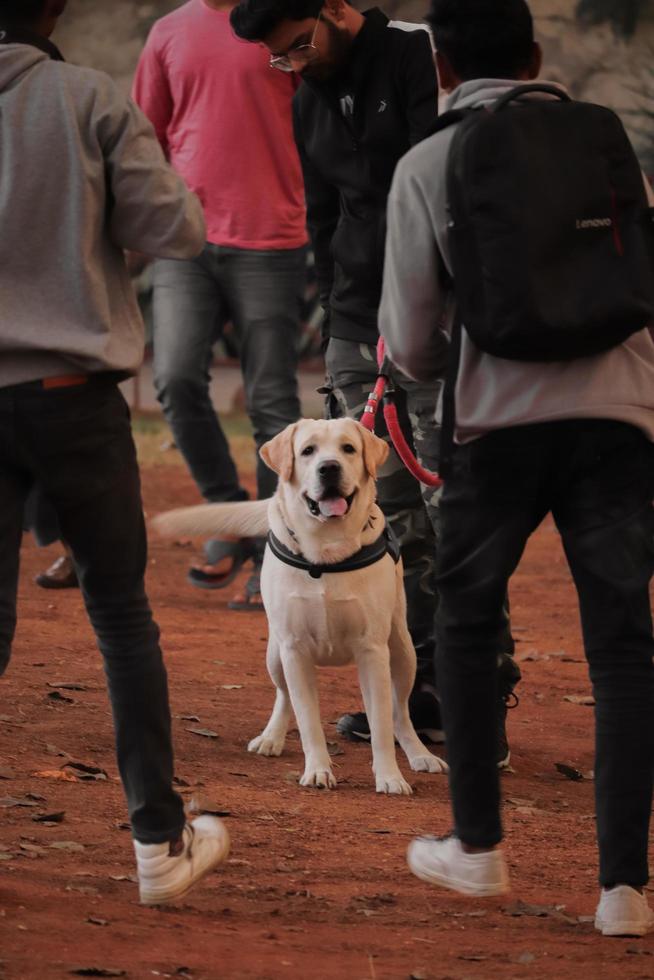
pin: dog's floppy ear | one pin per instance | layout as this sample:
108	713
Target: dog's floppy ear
277	453
375	451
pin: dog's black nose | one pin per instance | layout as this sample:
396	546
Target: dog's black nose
329	469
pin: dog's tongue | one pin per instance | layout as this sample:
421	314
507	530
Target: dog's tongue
333	506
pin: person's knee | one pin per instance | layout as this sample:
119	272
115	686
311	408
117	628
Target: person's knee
177	391
271	412
128	643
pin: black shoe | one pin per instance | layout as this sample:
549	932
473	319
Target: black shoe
507	702
61	575
425	713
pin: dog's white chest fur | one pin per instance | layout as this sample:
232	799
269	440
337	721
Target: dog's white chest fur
329	617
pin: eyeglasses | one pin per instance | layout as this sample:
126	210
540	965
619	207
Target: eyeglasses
303	54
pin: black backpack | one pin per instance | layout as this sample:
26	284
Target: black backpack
551	235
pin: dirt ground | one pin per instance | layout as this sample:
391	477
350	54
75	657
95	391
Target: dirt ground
316	885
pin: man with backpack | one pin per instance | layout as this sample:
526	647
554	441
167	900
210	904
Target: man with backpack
83	178
522	227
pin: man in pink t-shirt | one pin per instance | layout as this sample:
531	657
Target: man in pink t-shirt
224	120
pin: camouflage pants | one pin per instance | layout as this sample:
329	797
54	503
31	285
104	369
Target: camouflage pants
410	508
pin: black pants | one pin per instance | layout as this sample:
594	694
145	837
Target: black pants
597	479
40	518
76	443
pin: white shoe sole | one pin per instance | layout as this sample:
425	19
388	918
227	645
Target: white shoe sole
617	929
165	895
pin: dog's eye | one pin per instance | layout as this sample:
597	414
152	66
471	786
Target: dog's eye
308	451
349	448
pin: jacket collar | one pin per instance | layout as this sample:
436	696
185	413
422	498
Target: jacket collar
366	42
386	544
18	35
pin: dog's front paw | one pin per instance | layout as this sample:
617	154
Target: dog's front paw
320	777
395	784
267	744
428	763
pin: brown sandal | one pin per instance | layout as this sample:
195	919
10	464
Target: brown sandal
237	551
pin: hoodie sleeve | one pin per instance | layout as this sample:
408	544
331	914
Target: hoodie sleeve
151	208
413	299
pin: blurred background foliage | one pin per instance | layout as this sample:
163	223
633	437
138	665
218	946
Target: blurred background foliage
601	49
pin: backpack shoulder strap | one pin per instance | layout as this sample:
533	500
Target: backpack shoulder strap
514	94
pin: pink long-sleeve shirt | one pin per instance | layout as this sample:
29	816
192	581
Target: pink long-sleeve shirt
224	120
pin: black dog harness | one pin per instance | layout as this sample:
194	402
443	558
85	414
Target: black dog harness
386	544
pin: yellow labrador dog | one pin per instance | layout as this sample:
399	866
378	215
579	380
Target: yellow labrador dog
323	517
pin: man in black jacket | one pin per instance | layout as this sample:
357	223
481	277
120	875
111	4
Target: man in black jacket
369	94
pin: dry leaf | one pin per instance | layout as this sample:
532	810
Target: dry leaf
56	696
206	732
51	818
9	801
33	849
60	774
584	699
569	771
68	686
97	971
86	771
202	804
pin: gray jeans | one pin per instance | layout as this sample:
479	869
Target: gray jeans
259	291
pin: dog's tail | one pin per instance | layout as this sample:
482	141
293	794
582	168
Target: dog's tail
245	518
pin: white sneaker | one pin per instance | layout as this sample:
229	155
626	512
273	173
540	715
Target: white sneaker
164	877
623	911
442	861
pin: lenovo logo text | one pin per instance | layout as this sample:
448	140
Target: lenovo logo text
594	223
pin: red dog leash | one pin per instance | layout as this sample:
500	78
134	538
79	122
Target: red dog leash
383	390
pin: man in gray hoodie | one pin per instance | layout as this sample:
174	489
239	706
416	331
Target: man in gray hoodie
574	438
82	178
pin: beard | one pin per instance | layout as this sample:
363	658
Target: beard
333	56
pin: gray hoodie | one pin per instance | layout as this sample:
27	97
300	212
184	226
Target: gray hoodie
491	393
82	177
